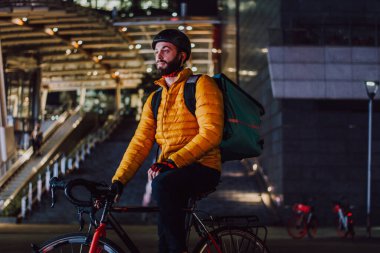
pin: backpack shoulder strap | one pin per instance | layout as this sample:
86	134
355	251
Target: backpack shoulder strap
189	93
156	100
189	96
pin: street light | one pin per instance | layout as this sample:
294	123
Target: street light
371	87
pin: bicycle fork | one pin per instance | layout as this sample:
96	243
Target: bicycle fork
99	232
343	219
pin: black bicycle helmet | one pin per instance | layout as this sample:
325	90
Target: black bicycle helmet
176	37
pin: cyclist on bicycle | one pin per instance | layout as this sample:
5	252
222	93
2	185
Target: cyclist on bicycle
190	161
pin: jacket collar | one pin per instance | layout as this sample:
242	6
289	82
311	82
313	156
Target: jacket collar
182	77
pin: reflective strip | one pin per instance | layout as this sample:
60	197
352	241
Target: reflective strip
236	121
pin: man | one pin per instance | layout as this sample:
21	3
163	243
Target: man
190	160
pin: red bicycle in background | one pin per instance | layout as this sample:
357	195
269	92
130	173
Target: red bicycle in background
344	221
303	221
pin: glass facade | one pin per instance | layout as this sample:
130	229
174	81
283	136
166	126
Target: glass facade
20	88
354	23
228	56
313	147
245	58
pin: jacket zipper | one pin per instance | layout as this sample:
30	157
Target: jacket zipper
162	119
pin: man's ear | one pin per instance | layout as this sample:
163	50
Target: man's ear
183	57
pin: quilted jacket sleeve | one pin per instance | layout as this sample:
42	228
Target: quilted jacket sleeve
210	117
139	147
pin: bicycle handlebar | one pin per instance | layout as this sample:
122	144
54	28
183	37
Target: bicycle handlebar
97	190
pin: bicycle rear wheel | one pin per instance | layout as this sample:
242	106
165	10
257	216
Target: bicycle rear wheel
76	243
296	226
232	240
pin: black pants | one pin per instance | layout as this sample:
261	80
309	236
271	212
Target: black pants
172	190
36	145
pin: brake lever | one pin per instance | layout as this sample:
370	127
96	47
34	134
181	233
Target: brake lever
81	219
52	192
55	183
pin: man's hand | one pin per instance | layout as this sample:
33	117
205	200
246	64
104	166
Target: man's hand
156	168
117	188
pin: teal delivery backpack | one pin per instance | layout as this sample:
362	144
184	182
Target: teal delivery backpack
242	117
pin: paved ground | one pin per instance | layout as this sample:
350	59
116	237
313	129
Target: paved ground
16	238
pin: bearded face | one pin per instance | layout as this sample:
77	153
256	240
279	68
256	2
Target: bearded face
168	58
169	67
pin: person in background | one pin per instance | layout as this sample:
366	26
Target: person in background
190	159
36	137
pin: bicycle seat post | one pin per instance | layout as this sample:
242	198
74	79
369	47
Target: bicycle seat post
191	213
189	217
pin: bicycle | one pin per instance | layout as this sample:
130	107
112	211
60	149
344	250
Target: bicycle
344	221
302	222
215	234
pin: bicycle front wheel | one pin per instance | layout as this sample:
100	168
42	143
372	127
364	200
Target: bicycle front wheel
340	228
77	243
231	240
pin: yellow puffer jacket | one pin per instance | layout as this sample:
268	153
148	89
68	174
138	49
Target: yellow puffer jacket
183	138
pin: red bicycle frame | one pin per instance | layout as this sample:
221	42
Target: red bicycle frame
99	232
301	208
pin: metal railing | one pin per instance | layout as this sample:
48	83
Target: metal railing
269	199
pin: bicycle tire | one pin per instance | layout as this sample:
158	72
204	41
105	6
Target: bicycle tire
351	230
340	229
76	242
296	226
312	227
232	240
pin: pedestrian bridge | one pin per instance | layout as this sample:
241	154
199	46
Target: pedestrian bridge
77	47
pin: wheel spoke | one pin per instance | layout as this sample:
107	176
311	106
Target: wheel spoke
233	240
